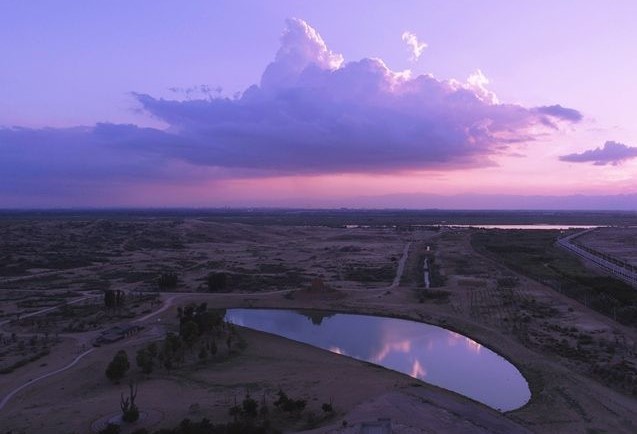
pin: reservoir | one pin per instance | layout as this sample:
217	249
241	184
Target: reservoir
541	227
426	352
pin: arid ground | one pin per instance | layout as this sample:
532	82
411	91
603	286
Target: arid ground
568	328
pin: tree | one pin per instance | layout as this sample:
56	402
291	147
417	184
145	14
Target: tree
130	412
190	332
203	353
167	280
145	360
217	281
113	298
171	351
209	321
118	366
249	406
327	407
152	349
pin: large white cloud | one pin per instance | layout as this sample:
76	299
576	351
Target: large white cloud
313	112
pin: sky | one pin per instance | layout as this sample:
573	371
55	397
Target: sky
318	103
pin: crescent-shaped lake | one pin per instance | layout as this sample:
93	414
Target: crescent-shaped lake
426	352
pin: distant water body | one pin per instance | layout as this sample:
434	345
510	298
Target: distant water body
426	352
478	226
525	227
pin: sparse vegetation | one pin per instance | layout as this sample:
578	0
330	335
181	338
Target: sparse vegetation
437	295
534	254
133	253
22	362
362	273
289	405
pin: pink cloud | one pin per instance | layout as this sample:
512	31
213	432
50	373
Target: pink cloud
315	113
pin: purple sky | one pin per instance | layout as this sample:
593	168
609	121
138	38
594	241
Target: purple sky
317	103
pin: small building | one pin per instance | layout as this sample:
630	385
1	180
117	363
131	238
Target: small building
116	333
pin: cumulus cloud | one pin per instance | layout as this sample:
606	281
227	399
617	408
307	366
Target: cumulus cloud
478	82
611	153
315	113
415	46
311	113
301	47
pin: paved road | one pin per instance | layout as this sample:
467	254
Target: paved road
616	267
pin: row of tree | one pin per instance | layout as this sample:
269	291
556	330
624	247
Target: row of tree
197	325
248	417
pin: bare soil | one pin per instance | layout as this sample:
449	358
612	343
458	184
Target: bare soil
569	354
619	242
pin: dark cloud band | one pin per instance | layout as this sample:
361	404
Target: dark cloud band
611	153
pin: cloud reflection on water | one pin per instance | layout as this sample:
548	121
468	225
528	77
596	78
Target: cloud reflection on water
442	357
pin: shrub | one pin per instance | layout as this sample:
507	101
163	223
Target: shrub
118	366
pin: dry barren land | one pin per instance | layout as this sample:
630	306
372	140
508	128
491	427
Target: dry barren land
580	360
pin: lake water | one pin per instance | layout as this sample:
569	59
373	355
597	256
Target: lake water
525	227
426	352
531	226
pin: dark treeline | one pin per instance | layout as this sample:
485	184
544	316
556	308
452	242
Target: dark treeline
339	217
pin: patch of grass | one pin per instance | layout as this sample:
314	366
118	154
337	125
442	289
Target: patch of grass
437	295
534	254
9	369
362	273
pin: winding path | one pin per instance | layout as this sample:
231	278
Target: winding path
9	395
166	305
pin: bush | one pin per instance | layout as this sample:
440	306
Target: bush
167	280
145	360
118	366
217	282
289	405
